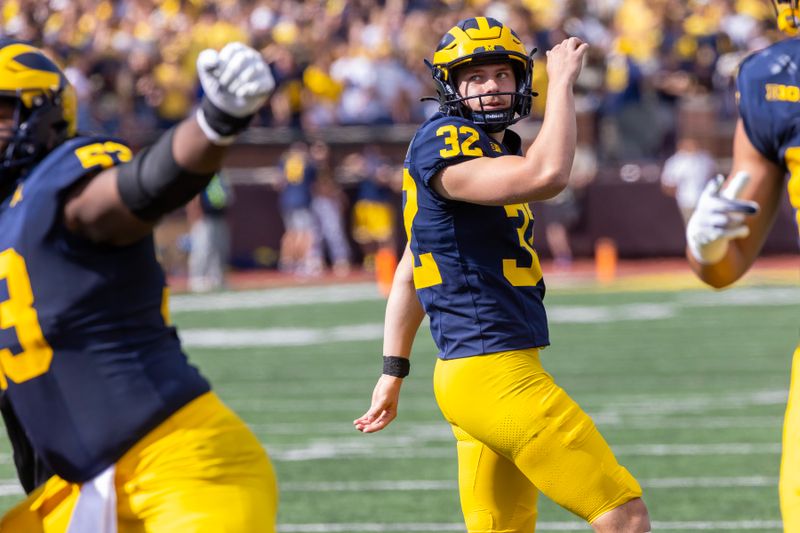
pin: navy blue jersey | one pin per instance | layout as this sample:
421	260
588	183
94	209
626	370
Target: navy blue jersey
769	104
89	363
475	268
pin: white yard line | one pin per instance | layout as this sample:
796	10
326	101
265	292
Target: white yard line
447	485
366	527
607	408
333	294
330	294
11	487
266	337
398	448
311	429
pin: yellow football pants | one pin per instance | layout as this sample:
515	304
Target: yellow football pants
790	462
201	470
519	433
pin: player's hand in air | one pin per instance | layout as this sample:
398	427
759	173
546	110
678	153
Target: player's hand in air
719	217
565	60
383	410
236	82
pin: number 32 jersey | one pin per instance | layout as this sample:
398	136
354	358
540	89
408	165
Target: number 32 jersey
88	360
476	272
769	105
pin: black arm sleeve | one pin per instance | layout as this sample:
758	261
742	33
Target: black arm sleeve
153	184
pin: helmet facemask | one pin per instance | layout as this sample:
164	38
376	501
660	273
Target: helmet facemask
35	132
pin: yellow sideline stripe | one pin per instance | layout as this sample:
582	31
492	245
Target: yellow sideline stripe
668	281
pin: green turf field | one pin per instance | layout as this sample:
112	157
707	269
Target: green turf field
689	387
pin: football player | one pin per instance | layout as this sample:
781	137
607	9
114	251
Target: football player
92	371
471	266
733	216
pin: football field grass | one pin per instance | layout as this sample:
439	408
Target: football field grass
688	386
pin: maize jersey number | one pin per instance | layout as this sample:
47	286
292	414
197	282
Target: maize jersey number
17	312
102	154
793	164
426	271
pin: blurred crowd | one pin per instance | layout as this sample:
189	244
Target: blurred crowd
658	71
341	62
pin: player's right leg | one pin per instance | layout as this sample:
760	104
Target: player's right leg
495	496
790	462
508	402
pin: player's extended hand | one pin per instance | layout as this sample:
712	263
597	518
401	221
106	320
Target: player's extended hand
719	217
236	82
383	410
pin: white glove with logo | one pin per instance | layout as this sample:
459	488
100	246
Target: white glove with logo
718	218
236	82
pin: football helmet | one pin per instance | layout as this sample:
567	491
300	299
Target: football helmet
44	105
788	16
482	40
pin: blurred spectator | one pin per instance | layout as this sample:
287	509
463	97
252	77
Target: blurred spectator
328	203
297	253
209	239
561	213
373	210
359	61
686	173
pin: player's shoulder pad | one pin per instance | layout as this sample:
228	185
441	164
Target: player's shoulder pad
770	61
444	141
79	157
434	127
449	137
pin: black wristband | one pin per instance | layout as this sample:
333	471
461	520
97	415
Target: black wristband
221	122
396	366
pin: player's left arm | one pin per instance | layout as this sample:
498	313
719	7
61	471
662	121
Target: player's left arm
404	314
764	188
122	204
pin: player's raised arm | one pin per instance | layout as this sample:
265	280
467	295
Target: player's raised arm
544	170
403	317
123	203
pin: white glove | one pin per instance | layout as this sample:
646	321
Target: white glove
236	83
718	218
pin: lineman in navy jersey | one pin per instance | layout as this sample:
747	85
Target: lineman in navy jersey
733	217
95	384
471	266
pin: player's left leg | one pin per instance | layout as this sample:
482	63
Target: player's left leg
790	463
